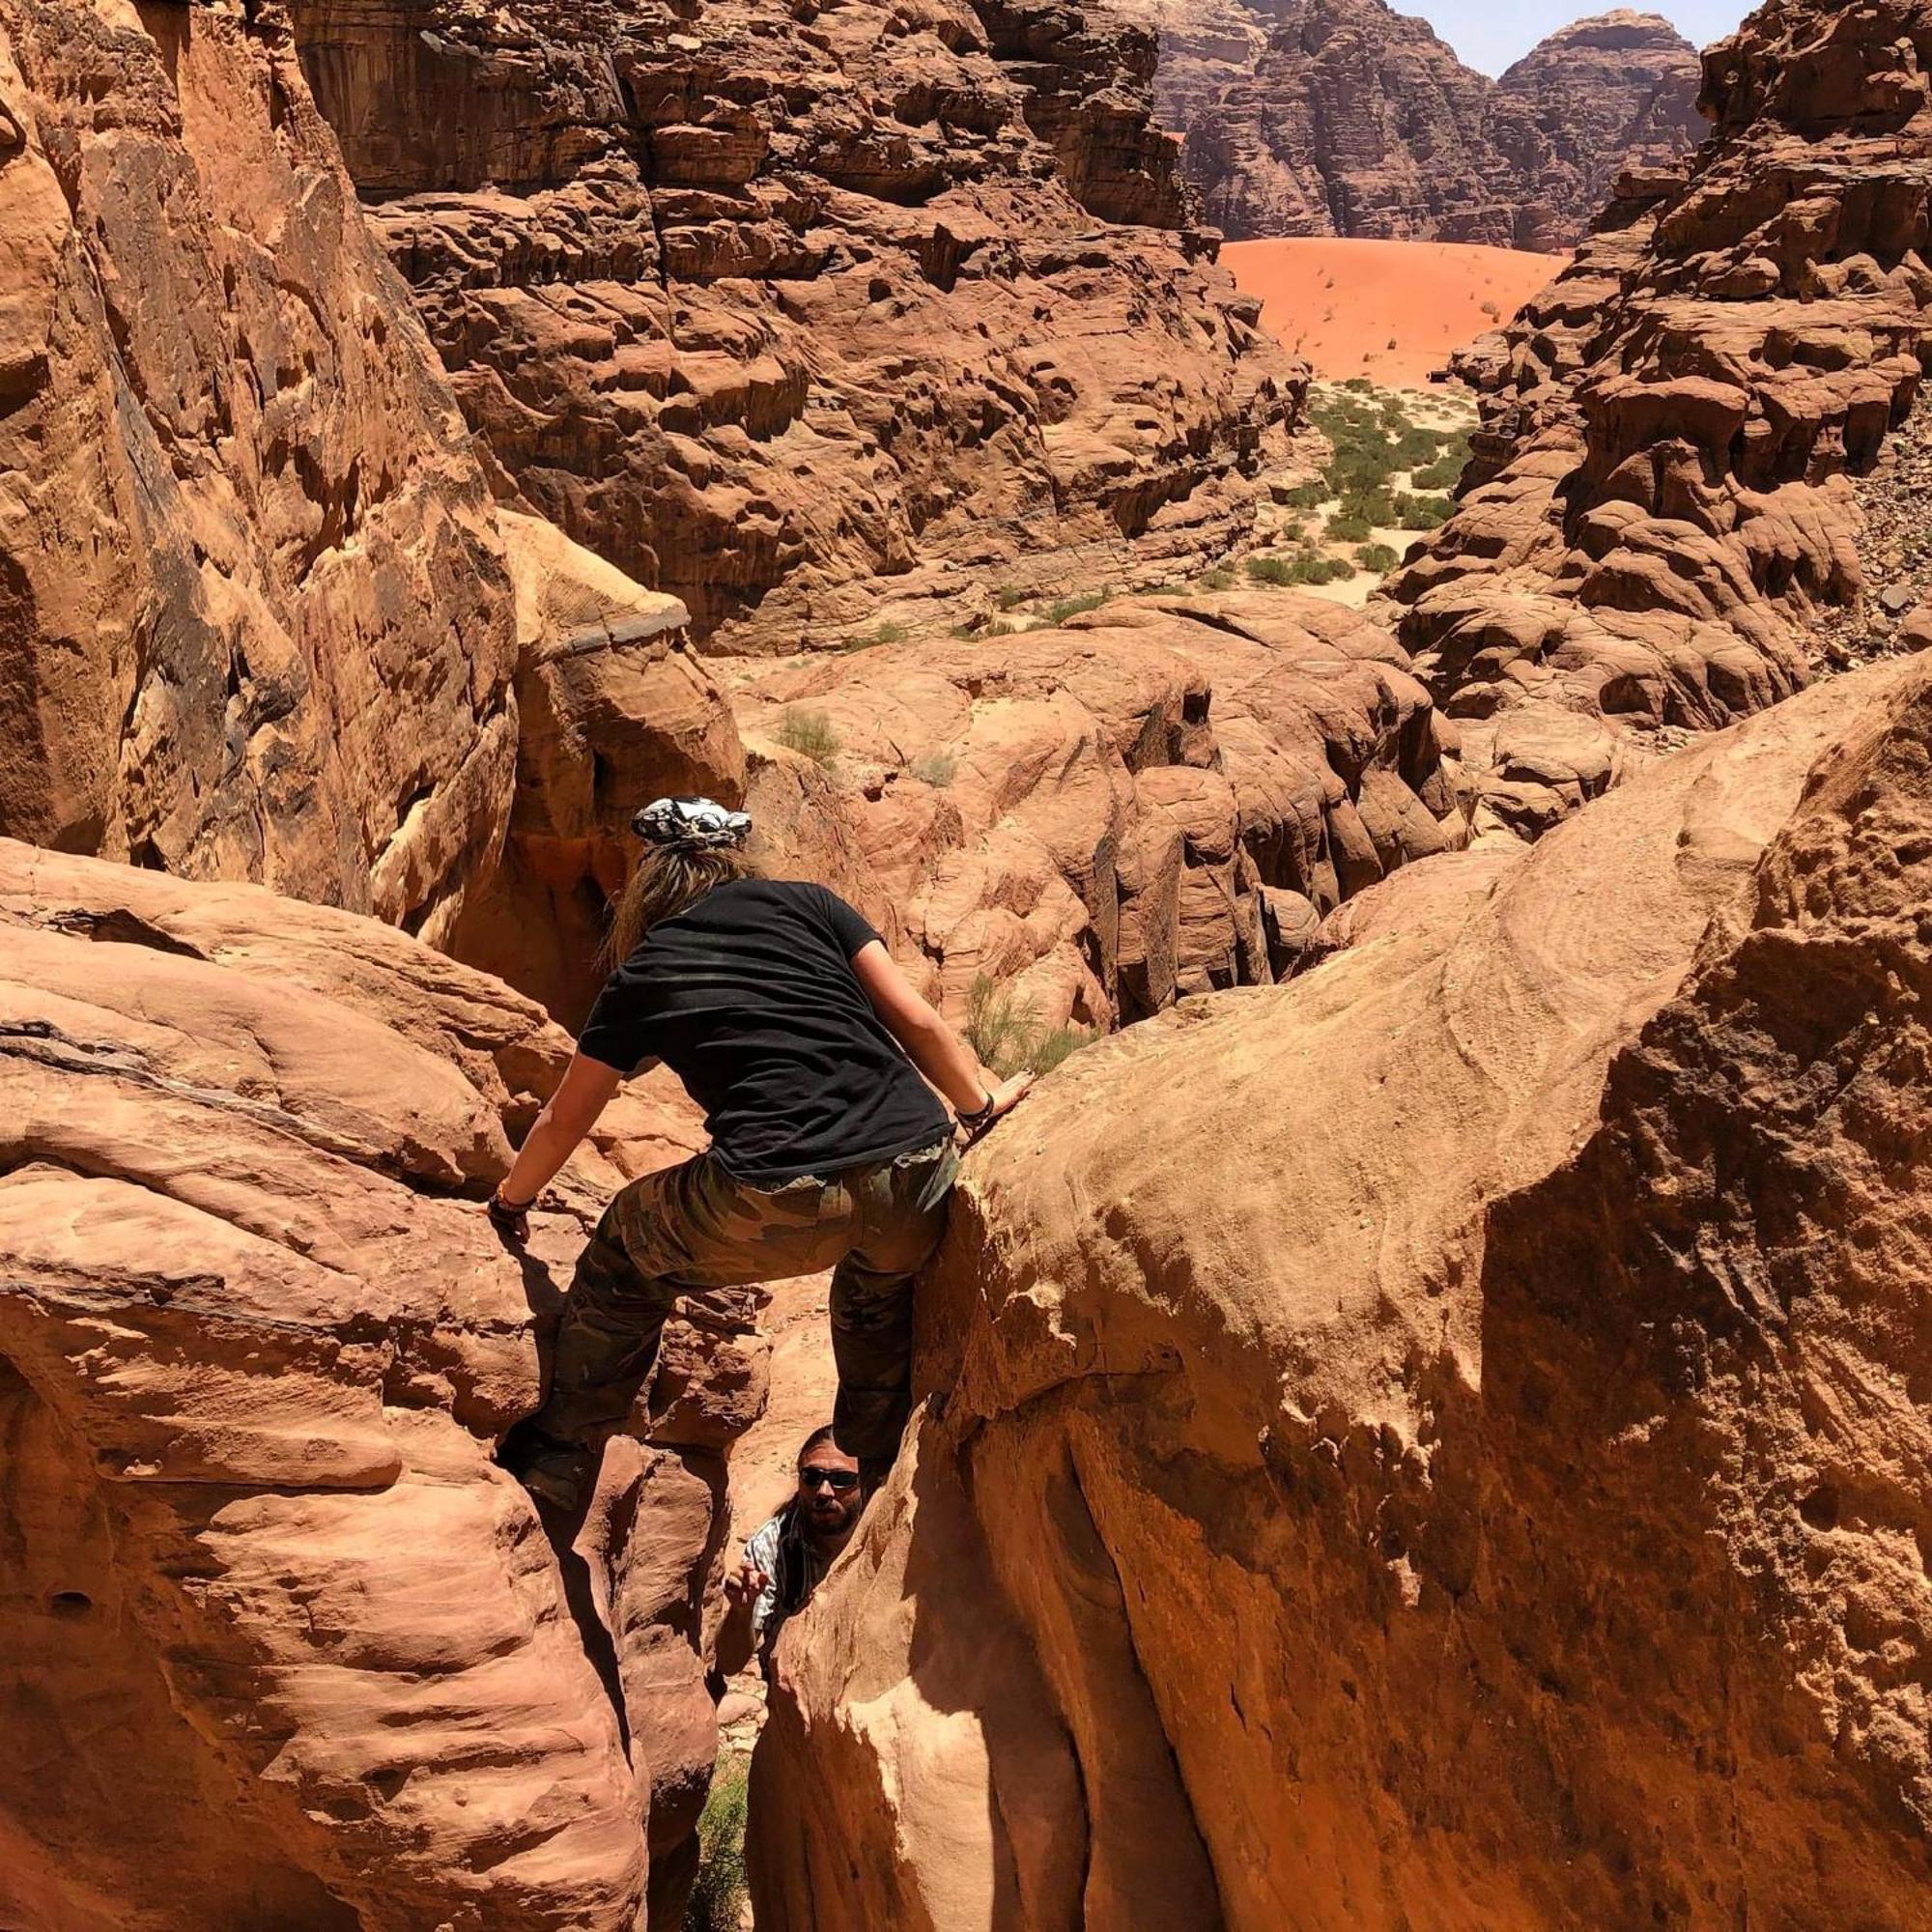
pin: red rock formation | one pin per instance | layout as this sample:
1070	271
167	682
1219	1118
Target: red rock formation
256	617
1597	99
1663	506
813	317
1108	815
283	1647
1434	1443
1356	120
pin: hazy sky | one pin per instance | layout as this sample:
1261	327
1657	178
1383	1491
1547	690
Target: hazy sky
1489	34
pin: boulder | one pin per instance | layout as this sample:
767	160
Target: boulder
284	1646
1088	813
1435	1443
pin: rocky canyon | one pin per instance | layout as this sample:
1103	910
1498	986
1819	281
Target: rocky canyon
1344	117
1423	1413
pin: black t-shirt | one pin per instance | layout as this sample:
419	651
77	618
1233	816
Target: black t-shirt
750	998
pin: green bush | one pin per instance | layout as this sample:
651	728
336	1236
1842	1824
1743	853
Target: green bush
1346	529
1008	1034
1073	607
934	768
1422	513
718	1892
1308	495
1220	577
1371	506
1055	1044
1377	557
1276	570
1011	597
811	734
1312	567
1444	474
886	633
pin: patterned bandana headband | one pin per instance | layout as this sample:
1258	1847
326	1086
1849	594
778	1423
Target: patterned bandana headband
700	823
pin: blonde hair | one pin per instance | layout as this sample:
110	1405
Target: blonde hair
670	879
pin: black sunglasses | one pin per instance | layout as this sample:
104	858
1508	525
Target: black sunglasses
839	1480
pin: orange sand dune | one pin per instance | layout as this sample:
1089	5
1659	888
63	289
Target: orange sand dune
1388	310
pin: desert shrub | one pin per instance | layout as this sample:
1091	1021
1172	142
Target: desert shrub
1493	313
1359	383
1055	1044
886	633
809	732
1444	474
1312	567
1348	528
1220	577
1379	557
936	768
1010	598
1009	1036
718	1893
1308	495
1422	513
1073	607
1369	506
1276	570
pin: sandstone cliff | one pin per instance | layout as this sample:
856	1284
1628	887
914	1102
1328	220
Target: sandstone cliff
257	619
813	317
1435	1444
283	1647
1352	119
1662	507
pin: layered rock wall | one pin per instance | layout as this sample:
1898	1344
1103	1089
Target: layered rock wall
1344	116
1435	1444
257	619
816	320
1661	507
1161	796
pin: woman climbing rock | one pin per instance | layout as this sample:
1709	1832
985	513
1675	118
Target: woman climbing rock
782	1011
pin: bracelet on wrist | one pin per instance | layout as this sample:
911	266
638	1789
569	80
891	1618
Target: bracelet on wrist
977	1116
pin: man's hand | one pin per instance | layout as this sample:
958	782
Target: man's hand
746	1585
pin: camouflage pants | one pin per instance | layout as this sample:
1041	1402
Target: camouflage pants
695	1227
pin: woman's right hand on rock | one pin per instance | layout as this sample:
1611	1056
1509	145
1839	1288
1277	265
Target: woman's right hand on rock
1008	1093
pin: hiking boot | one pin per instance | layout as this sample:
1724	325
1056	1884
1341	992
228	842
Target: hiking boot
557	1474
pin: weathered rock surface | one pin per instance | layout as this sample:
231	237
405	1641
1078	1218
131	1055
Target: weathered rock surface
1351	119
1109	814
1661	507
283	1647
256	618
812	318
1436	1445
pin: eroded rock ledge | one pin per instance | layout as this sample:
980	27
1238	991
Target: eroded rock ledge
1435	1442
1661	509
813	316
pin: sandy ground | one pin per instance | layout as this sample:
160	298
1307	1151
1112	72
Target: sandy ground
1388	310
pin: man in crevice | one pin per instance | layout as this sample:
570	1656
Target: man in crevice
787	1556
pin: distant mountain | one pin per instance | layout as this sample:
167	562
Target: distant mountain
1344	116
